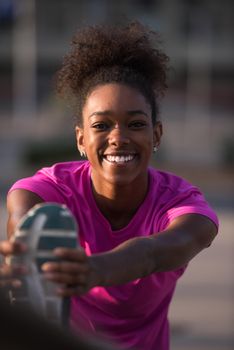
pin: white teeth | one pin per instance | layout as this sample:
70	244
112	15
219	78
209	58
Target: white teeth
119	159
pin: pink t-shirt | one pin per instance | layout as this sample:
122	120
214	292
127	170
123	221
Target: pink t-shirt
133	315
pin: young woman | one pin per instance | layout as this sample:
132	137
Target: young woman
138	227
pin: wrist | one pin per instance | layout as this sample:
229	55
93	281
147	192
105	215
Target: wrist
98	270
138	256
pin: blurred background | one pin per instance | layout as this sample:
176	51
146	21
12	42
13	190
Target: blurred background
36	129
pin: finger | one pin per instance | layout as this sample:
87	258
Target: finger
77	254
65	266
7	247
10	283
69	291
66	279
5	283
16	283
7	271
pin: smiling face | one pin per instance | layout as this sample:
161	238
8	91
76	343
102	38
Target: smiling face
117	135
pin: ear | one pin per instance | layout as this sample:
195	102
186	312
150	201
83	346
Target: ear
157	133
80	139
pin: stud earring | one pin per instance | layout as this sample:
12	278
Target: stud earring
155	148
82	153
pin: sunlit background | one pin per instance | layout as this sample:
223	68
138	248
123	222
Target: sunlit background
37	129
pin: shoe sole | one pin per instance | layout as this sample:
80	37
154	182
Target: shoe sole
45	227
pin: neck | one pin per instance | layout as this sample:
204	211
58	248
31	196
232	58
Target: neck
119	203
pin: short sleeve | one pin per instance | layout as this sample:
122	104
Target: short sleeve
45	188
188	202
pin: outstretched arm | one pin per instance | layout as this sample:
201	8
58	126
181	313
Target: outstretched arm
173	248
165	251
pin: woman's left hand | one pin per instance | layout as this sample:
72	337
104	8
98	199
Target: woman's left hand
74	273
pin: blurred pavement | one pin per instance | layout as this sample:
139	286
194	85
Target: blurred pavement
202	311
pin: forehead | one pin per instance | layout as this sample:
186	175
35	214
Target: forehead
115	97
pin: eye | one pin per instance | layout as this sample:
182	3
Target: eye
100	126
137	124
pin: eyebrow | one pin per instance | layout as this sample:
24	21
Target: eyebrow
109	112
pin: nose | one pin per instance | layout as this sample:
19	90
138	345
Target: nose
119	136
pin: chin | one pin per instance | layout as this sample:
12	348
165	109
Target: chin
120	180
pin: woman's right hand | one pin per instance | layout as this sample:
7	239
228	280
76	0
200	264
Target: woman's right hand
18	203
9	275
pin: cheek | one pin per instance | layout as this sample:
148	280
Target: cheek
147	140
89	138
92	143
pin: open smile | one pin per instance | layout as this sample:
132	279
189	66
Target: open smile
119	159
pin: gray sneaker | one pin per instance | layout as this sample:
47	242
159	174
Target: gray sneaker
45	227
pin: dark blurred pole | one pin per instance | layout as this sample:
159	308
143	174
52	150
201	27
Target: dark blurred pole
24	61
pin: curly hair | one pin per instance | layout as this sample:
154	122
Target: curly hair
105	54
